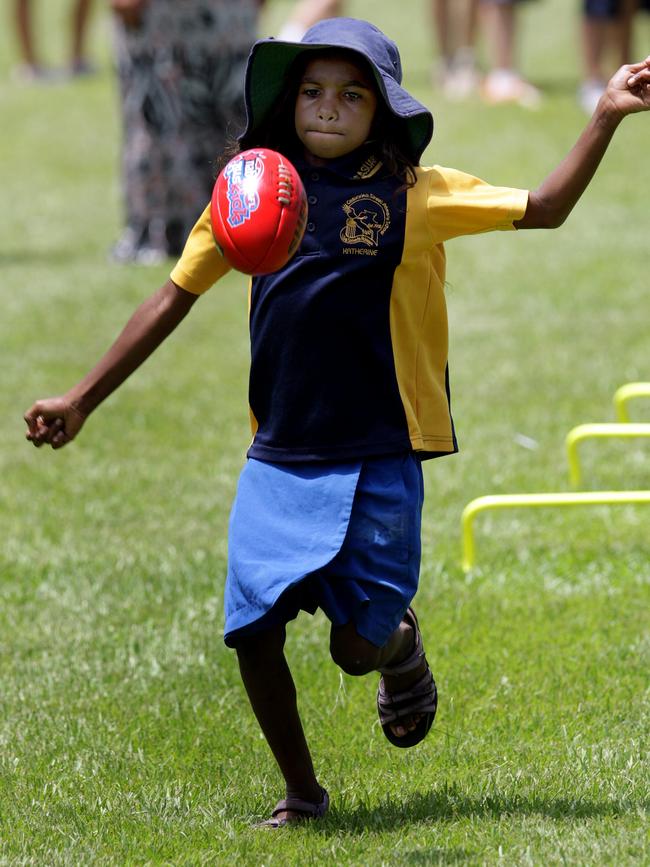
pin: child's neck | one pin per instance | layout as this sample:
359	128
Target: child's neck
312	160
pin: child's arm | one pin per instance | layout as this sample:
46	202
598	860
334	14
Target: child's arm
57	420
549	206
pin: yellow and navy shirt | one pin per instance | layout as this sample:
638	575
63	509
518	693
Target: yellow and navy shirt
349	340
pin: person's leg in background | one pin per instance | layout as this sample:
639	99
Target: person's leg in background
80	17
607	27
307	13
504	82
456	24
30	66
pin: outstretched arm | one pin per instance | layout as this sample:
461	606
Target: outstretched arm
549	206
57	420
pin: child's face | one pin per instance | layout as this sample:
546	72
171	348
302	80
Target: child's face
335	107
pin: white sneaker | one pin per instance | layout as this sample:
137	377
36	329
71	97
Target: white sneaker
290	32
506	85
150	256
460	78
589	94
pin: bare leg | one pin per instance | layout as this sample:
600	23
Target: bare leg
441	19
272	695
24	31
629	7
80	16
594	37
357	656
602	37
455	24
307	13
499	21
504	83
468	31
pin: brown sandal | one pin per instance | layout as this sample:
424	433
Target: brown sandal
307	809
421	698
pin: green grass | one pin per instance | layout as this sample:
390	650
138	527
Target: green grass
125	735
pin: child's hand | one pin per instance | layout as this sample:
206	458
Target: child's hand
55	421
629	89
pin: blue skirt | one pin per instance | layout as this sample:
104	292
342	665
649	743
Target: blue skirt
344	538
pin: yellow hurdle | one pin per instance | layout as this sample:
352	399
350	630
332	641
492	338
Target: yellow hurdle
628	392
582	432
511	501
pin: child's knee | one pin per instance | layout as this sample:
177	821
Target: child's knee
266	644
351	652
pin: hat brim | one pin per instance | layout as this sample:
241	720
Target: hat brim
271	59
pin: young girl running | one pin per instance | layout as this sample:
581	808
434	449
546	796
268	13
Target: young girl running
349	388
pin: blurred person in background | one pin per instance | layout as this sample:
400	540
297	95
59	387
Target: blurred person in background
607	27
180	65
504	82
456	25
31	67
304	14
456	29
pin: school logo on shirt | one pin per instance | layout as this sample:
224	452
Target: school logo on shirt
367	218
243	176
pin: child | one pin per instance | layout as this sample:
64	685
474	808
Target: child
349	387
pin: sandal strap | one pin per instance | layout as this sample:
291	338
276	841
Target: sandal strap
414	659
308	808
421	698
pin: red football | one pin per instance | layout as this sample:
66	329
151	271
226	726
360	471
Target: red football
258	211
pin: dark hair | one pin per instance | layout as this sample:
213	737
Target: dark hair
278	130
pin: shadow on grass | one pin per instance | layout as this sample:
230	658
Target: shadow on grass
435	855
450	804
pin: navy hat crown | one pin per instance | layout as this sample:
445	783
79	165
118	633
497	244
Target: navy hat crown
361	36
271	59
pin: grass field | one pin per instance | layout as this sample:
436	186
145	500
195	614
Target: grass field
125	735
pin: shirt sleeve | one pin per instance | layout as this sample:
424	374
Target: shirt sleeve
460	204
201	263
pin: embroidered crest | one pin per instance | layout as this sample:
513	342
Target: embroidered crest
243	199
366	219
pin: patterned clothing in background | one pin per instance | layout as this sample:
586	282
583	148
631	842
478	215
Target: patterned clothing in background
181	75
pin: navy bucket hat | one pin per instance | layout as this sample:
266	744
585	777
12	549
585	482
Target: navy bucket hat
270	61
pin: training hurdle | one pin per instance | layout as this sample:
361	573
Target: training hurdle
512	501
618	430
626	393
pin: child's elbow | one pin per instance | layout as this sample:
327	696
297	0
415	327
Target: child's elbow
543	215
554	220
